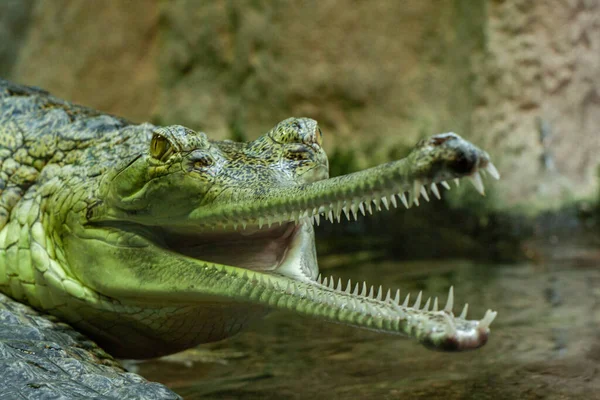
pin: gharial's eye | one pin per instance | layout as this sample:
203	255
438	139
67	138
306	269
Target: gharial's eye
160	148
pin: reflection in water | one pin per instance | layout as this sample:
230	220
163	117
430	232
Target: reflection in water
544	343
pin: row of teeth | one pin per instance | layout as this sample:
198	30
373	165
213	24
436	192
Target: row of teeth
357	296
333	212
369	294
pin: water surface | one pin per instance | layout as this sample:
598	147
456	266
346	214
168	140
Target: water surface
545	343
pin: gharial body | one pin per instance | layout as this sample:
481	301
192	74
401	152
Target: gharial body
151	240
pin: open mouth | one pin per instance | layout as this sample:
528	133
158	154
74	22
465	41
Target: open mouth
287	249
269	249
260	247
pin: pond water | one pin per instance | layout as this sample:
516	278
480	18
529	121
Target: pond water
545	343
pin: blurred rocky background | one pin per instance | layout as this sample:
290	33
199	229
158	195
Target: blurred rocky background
520	78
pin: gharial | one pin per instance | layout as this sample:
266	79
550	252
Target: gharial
151	240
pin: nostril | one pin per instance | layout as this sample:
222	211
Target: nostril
464	163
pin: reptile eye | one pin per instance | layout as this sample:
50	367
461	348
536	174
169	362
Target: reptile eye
160	148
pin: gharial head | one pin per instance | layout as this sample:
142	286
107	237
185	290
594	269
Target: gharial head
233	222
182	170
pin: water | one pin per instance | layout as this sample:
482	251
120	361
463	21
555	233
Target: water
545	343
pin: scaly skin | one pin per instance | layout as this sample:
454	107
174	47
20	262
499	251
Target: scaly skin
152	240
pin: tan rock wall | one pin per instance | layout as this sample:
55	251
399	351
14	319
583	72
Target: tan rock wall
377	75
101	54
538	97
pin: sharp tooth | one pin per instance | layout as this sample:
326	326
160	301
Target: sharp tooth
388	295
450	301
354	209
261	222
377	202
416	192
330	216
379	293
426	306
369	208
339	285
435	191
413	199
370	293
435	304
403	199
406	300
445	185
384	200
331	283
317	218
348	286
346	213
393	200
244	225
235	226
363	292
492	170
324	283
487	319
424	193
457	182
361	207
476	181
463	314
417	304
355	293
397	297
319	278
338	217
